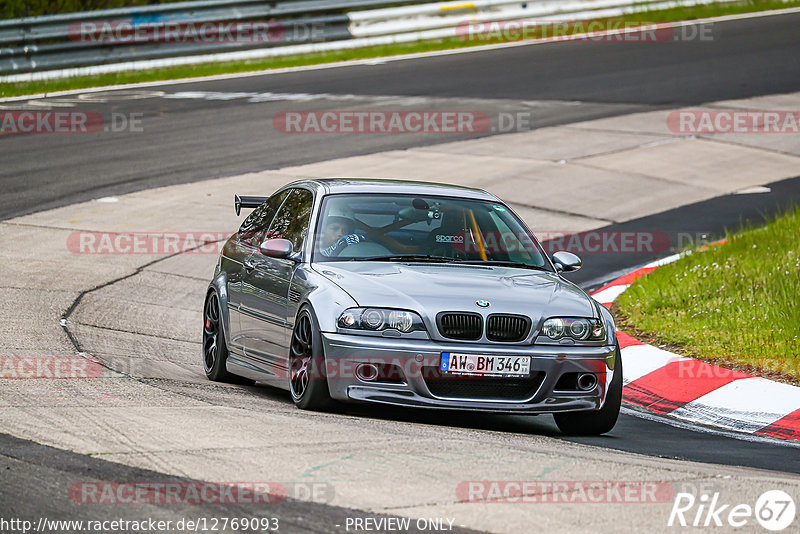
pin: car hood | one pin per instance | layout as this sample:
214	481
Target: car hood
431	288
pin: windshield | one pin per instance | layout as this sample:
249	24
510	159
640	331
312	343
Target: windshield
419	228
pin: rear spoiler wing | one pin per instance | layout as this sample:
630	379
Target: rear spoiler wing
243	201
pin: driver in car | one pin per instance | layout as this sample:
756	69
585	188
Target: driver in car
338	233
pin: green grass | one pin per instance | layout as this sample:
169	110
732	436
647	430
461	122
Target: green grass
208	69
736	304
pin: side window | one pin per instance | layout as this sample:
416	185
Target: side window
254	228
291	221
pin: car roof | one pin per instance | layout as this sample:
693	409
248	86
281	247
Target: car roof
369	185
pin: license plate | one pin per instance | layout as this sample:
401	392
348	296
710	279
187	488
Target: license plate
482	364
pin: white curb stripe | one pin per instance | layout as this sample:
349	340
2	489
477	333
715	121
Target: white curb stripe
610	294
663	261
746	404
641	360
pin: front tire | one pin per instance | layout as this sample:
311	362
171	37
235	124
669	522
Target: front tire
596	422
308	382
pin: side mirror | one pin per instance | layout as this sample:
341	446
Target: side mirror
566	262
277	248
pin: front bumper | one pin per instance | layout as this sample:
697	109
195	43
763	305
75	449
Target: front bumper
344	353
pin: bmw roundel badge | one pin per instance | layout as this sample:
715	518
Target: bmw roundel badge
482	303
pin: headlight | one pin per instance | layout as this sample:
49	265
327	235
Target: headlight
377	319
554	328
578	329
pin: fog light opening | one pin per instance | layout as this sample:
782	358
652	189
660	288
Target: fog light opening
587	381
367	372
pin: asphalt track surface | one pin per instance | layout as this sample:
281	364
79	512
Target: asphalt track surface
184	140
194	139
38	469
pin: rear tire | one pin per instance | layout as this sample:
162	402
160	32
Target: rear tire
596	422
308	382
215	350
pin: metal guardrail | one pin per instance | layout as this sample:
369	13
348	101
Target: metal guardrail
46	47
49	42
429	16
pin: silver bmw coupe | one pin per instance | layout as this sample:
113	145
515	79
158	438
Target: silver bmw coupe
410	294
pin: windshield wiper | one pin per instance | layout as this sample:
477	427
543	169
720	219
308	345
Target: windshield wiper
409	257
503	263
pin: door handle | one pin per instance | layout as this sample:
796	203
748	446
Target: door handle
248	266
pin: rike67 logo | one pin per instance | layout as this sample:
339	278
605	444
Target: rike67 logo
774	510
